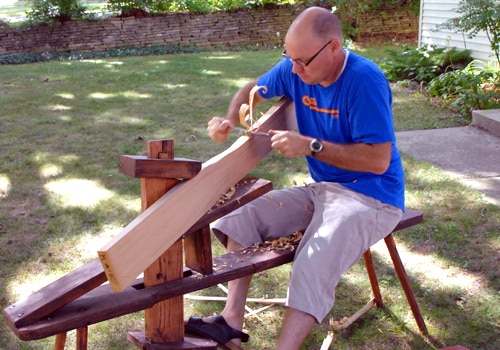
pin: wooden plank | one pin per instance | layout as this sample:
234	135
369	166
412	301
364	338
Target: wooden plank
102	303
156	229
91	275
141	166
55	295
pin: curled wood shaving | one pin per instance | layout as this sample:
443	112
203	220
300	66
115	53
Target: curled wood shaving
246	110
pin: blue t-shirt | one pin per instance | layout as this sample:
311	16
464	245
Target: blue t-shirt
357	108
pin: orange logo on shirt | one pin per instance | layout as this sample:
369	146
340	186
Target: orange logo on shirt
312	104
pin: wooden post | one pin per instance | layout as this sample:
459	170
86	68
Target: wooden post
164	322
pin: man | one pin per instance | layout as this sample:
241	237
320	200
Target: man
345	131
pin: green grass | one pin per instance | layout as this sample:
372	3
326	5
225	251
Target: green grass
66	123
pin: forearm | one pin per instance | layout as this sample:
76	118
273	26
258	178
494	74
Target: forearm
374	158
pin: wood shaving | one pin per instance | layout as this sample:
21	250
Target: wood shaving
336	324
230	193
282	243
226	196
246	110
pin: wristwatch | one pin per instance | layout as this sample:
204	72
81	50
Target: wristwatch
315	147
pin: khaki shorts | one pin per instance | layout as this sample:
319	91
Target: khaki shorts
339	225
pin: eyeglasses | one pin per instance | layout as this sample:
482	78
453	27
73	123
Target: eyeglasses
308	62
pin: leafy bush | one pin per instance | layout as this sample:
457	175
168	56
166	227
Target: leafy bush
475	87
423	64
59	10
194	6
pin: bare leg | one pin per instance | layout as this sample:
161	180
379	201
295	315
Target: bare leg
234	310
296	327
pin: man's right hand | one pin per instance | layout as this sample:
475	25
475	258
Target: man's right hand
218	129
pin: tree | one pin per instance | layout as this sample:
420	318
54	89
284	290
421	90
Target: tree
476	16
60	10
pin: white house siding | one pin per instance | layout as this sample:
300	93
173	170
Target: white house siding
435	12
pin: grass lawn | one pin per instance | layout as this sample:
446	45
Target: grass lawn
65	124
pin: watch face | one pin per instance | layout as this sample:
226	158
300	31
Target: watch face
316	145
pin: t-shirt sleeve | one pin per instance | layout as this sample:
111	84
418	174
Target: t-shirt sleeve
370	111
277	81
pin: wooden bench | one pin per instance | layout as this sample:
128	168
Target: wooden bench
101	303
81	298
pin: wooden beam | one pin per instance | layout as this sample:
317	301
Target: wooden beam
143	167
157	228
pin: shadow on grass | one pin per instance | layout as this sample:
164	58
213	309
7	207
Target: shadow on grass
65	197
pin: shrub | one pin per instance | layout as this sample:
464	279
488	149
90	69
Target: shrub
193	6
59	10
475	87
423	64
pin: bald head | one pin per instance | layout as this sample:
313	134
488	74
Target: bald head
317	22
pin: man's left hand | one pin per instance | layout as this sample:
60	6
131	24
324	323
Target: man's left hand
289	143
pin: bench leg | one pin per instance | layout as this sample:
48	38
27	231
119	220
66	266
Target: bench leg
198	251
370	267
403	278
60	341
81	338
